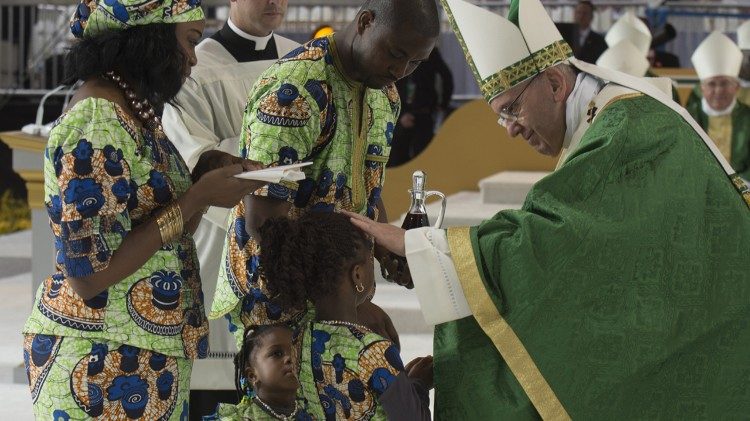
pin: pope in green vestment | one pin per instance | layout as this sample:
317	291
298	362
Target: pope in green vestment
623	276
620	289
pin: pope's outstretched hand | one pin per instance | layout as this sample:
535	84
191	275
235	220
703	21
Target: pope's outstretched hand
387	235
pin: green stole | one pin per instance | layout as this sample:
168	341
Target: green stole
618	291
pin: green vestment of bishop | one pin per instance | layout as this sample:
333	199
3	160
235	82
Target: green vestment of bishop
620	290
739	133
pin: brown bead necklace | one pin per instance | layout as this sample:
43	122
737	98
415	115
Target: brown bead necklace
141	107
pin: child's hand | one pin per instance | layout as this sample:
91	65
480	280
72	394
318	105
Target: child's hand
421	368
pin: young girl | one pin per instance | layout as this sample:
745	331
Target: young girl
266	377
346	371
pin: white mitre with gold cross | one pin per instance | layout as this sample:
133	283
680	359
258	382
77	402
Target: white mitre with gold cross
624	57
505	52
631	28
743	36
717	55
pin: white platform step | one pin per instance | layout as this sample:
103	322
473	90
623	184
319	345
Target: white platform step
509	186
465	209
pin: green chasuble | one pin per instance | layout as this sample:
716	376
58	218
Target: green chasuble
740	148
621	287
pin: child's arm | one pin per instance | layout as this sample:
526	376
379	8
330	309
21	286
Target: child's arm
407	398
401	391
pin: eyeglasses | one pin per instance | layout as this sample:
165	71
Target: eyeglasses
509	113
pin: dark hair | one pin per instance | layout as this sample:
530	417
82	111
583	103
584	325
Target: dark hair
417	15
149	56
250	341
306	258
588	3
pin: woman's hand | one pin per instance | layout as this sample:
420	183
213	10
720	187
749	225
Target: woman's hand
421	368
221	188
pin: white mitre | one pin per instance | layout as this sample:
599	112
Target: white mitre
624	57
505	52
717	55
631	28
743	36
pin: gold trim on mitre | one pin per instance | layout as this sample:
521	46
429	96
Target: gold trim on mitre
500	53
511	76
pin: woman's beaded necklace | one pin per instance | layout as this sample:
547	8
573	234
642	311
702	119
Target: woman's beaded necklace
142	107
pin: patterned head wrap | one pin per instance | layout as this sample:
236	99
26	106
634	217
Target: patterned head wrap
93	17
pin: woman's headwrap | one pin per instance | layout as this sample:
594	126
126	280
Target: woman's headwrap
96	16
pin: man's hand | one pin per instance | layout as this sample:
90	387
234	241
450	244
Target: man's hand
213	159
377	320
387	235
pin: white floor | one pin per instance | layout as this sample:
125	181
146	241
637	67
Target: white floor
16	299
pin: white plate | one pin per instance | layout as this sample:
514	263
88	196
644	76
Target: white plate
275	174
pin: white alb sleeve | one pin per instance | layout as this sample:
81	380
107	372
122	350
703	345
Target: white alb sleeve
434	274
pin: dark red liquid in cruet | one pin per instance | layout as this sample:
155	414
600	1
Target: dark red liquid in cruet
415	220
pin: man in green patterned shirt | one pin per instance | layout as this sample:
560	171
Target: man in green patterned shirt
331	102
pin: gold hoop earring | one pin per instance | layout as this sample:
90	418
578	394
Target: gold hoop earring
360	288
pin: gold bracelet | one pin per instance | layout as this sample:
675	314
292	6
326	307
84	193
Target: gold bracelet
161	222
170	222
176	220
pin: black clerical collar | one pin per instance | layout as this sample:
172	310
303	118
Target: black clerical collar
242	49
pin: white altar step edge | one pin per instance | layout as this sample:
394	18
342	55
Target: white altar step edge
508	186
16	404
13	313
17	244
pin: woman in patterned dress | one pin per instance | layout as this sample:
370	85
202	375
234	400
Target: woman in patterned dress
346	371
115	328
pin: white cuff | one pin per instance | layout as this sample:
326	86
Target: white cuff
434	274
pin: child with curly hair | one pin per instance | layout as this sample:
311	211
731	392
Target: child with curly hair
346	371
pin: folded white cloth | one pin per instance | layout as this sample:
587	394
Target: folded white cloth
276	174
